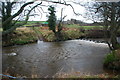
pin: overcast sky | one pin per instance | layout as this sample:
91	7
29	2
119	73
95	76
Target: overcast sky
67	10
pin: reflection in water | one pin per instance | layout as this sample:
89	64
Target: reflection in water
45	59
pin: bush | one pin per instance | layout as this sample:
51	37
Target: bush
112	61
111	57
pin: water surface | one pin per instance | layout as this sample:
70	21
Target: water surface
43	59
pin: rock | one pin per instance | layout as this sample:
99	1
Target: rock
12	54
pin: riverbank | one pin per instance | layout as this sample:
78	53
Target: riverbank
71	76
66	59
25	35
21	36
78	75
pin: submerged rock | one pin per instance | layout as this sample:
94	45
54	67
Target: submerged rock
12	54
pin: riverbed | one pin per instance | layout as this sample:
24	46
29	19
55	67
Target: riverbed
43	59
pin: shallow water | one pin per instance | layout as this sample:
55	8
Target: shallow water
43	59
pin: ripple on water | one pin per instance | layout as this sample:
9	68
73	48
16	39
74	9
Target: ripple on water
80	55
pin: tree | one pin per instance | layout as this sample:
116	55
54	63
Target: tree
108	13
52	19
8	22
52	23
9	17
60	24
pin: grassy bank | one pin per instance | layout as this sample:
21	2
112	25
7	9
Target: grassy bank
21	36
67	33
24	35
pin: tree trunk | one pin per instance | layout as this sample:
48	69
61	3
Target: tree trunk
113	28
114	42
58	36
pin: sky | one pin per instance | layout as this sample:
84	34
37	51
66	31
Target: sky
67	10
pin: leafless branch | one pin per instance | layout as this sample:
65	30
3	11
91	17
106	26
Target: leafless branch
64	3
20	24
40	13
16	14
78	3
42	9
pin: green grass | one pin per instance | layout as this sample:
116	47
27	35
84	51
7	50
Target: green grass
84	27
72	25
111	61
111	57
90	26
30	23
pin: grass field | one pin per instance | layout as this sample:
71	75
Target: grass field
30	23
85	27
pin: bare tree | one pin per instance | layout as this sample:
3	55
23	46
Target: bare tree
107	13
7	17
60	26
8	22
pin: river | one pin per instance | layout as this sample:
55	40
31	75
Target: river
43	59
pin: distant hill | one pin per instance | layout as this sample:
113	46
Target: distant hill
81	23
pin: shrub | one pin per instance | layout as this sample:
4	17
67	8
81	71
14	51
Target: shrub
112	61
111	57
